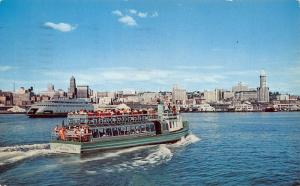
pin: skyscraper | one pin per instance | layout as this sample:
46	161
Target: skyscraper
50	87
263	90
178	95
83	91
72	90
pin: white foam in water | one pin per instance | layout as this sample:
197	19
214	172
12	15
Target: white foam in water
13	154
158	154
191	138
161	155
24	147
91	172
110	154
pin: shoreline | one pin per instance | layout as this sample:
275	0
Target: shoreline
13	113
21	113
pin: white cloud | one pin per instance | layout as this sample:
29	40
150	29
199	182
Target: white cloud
229	0
127	20
132	15
5	68
117	13
298	2
155	14
1	1
142	14
63	27
132	11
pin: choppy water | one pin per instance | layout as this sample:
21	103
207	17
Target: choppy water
223	149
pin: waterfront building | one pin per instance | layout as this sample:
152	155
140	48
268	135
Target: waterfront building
72	93
178	95
82	91
50	91
228	95
287	107
149	97
104	97
244	107
61	93
6	98
221	107
104	100
250	95
106	94
240	87
283	97
212	96
206	108
129	98
22	96
263	90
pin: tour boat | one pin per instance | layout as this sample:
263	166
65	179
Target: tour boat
91	131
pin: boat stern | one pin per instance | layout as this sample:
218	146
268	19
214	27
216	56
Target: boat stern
65	147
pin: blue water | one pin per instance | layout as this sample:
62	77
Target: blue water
223	149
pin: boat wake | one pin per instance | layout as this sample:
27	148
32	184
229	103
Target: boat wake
191	138
158	154
13	154
121	160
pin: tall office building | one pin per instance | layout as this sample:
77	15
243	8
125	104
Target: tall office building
178	95
263	90
50	87
83	91
72	89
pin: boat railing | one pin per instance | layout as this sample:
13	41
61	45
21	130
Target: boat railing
153	133
114	119
170	116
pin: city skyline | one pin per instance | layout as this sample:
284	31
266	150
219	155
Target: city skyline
200	45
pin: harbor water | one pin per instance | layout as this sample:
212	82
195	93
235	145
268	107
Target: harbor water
222	149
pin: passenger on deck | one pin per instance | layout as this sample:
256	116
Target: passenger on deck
56	129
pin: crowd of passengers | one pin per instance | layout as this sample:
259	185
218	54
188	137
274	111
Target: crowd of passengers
112	112
83	133
73	133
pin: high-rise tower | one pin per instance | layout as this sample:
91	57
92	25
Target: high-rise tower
263	90
72	89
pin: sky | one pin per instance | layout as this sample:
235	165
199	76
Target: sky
150	45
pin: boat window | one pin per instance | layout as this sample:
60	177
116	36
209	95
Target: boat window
101	132
115	131
152	127
121	130
132	130
108	132
143	128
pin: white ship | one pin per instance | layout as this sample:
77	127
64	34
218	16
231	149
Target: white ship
58	108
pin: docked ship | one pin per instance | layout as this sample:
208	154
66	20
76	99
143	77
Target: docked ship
58	108
92	131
